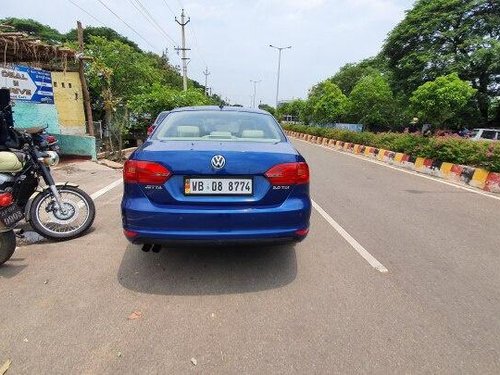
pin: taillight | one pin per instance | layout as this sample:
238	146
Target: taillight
145	172
50	139
288	174
6	199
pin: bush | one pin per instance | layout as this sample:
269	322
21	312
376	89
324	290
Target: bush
448	149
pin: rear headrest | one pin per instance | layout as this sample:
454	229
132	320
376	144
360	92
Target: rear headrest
252	134
220	134
188	131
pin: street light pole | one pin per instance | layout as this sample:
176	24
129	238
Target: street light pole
279	69
254	91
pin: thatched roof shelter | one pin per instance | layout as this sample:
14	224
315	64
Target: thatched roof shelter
21	48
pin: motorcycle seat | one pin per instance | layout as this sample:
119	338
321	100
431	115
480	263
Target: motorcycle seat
32	130
9	162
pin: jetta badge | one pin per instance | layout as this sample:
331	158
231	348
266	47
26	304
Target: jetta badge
218	162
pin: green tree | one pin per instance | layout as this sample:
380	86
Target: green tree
297	108
441	100
439	37
113	77
115	74
268	108
104	32
34	28
348	75
293	108
372	102
326	103
164	98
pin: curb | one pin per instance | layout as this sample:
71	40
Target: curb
475	177
101	155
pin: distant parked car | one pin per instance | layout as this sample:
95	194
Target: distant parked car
159	119
485	135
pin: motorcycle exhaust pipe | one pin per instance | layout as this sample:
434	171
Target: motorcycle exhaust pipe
146	247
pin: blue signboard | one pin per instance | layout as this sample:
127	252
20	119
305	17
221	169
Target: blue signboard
28	84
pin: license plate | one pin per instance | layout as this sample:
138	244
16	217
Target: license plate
218	186
11	214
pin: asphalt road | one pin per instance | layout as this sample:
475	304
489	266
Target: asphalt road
316	307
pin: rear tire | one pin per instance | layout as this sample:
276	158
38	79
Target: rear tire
7	245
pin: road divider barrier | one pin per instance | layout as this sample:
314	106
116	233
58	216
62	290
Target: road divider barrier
476	177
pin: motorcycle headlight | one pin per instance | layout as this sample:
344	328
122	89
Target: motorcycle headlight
51	158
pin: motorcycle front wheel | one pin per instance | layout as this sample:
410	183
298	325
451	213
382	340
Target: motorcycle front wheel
74	219
7	245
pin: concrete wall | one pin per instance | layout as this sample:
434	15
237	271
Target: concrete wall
79	145
68	98
30	114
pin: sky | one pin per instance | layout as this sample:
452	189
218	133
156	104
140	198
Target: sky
232	37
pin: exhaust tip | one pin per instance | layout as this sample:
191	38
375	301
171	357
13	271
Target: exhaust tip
146	247
156	248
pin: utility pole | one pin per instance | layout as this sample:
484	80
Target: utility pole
279	68
183	49
254	90
85	89
206	73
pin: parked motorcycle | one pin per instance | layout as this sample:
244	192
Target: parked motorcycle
7	236
56	211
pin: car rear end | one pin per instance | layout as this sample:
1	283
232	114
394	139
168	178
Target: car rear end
216	175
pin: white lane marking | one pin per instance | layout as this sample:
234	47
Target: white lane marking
436	179
105	189
355	244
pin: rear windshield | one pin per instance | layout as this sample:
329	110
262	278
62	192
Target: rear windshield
219	125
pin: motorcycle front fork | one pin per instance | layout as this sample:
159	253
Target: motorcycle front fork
49	180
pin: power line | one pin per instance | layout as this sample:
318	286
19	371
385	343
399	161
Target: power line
168	6
126	24
88	13
197	49
145	13
155	22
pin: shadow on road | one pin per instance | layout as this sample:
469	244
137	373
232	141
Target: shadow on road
207	271
10	269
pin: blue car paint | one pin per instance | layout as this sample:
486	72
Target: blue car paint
159	214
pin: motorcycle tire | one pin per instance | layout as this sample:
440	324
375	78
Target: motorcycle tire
40	228
7	245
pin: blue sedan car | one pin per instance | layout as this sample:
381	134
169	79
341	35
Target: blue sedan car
216	174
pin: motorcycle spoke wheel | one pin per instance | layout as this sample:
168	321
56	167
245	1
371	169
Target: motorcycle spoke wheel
75	217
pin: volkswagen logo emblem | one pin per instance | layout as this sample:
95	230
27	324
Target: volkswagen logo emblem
218	162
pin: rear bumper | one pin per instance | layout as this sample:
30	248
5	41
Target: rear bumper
140	240
144	222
